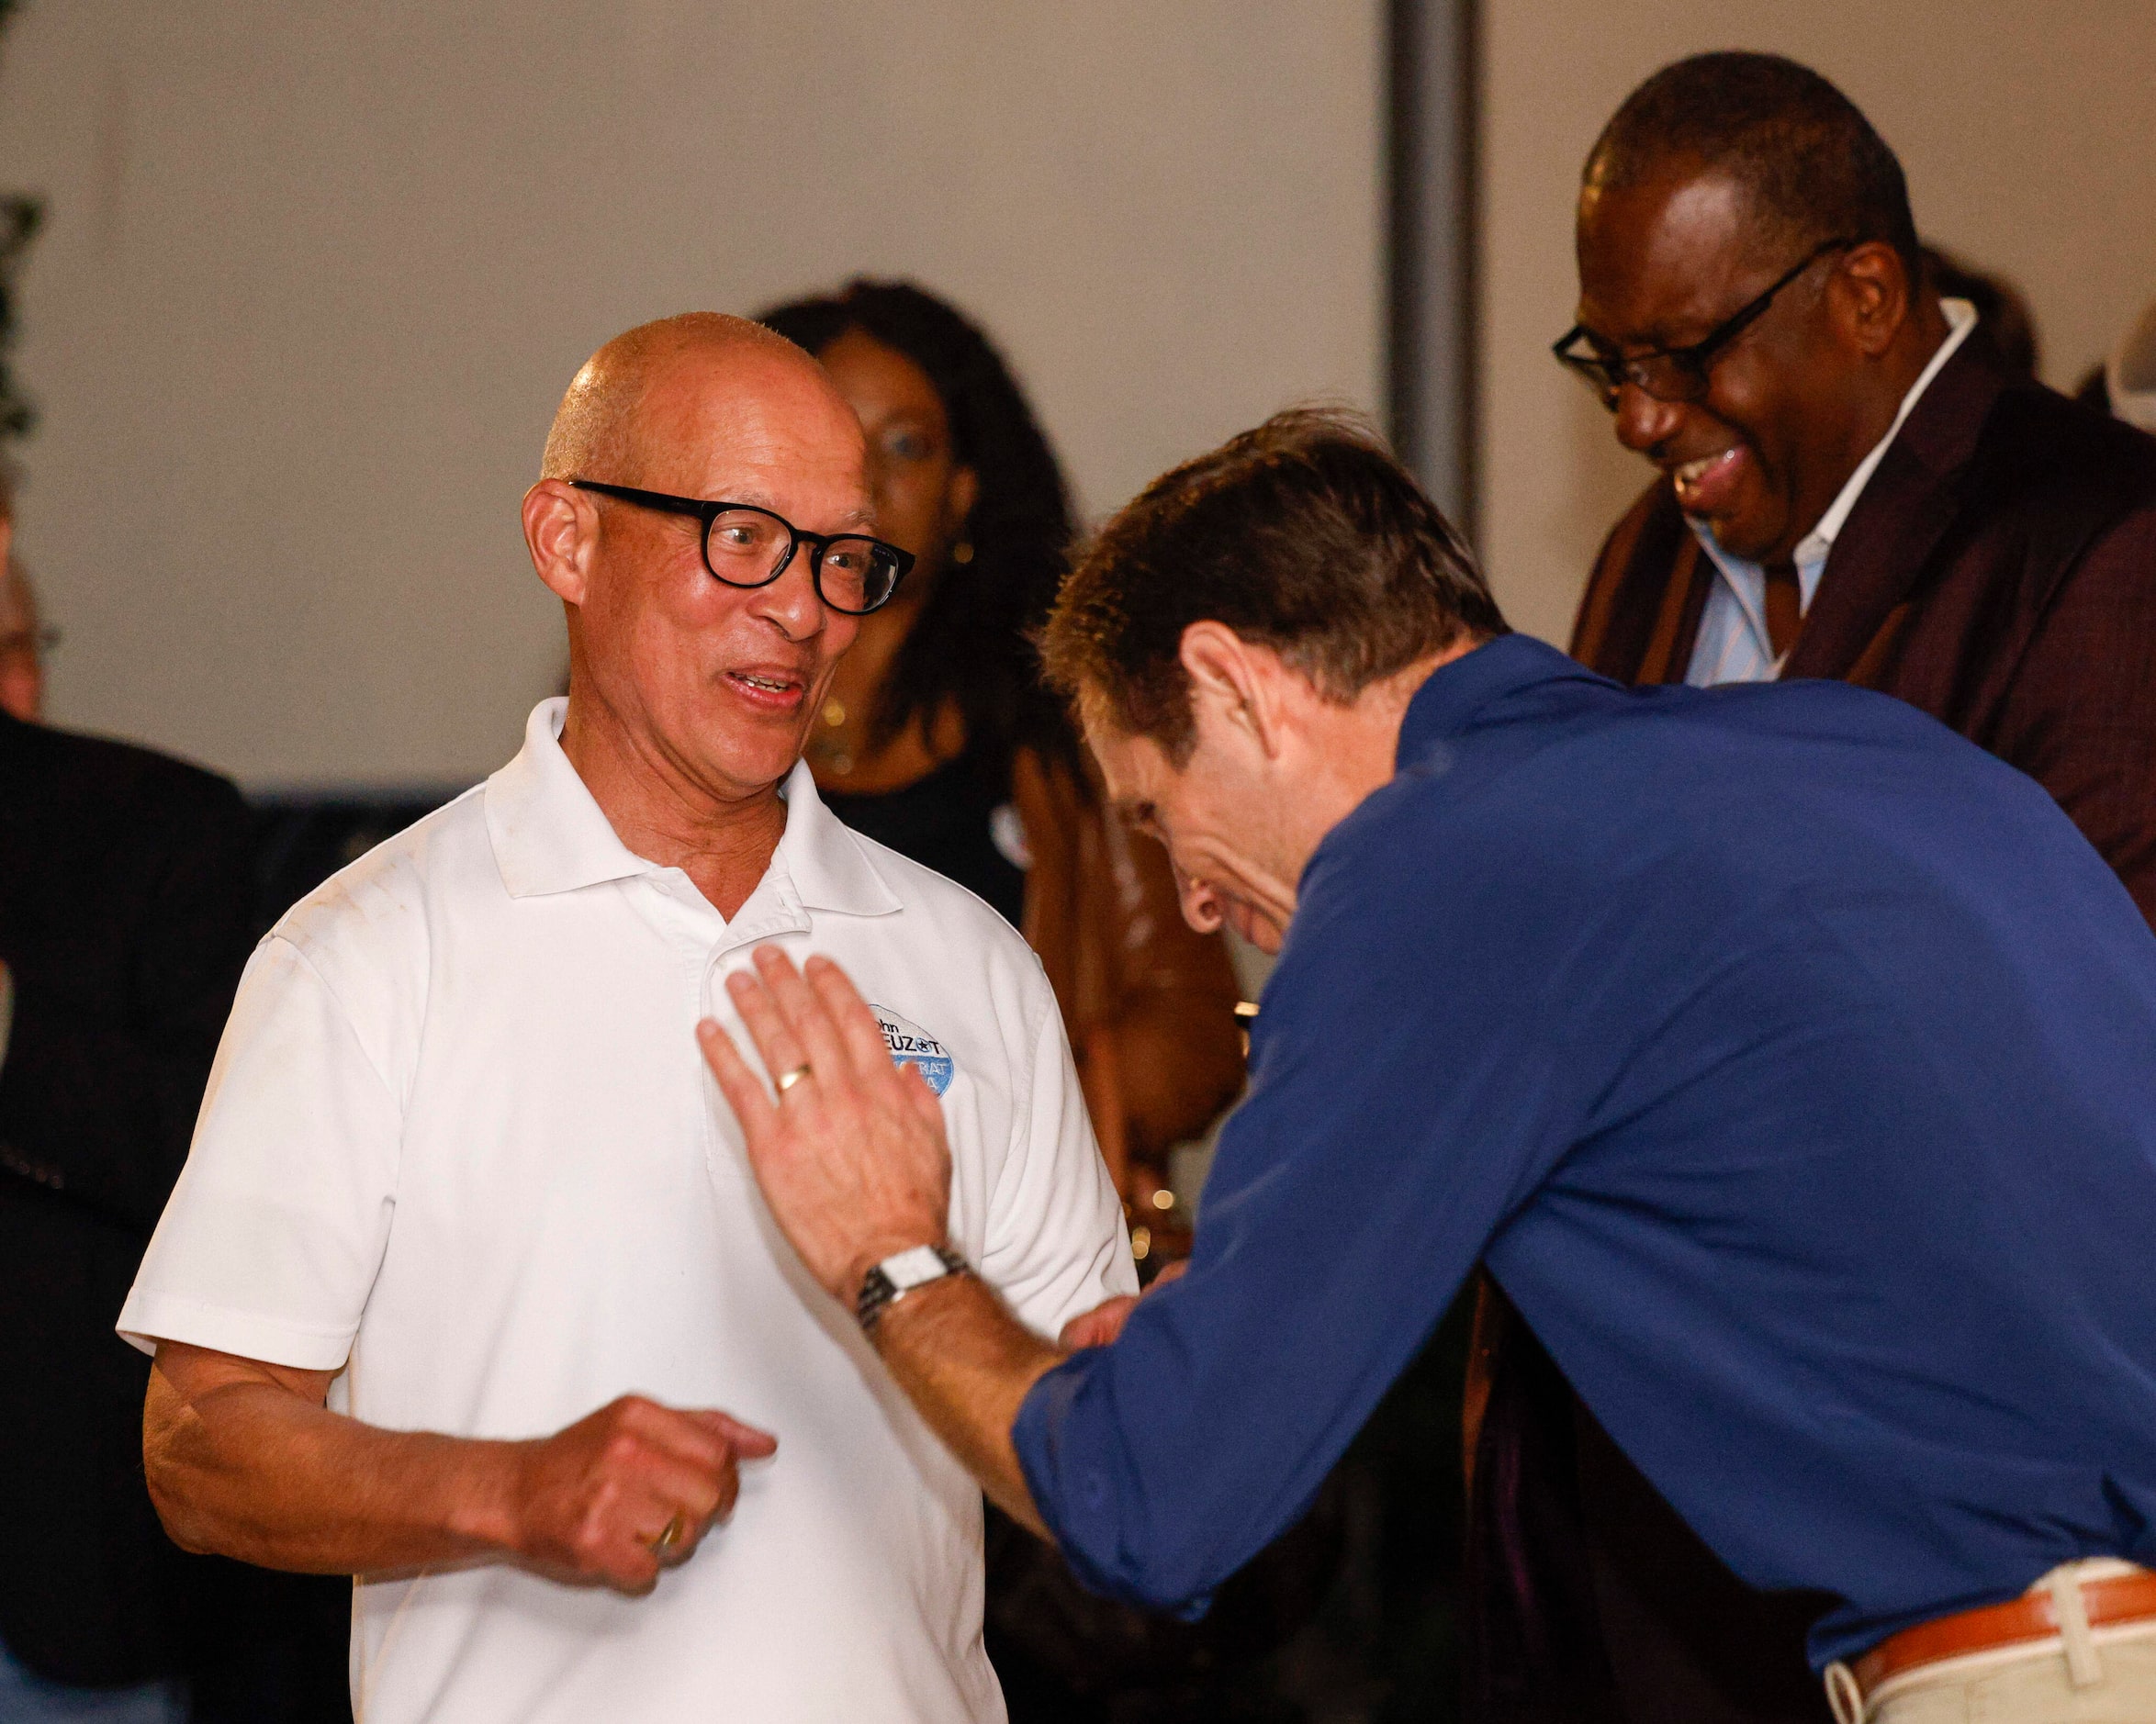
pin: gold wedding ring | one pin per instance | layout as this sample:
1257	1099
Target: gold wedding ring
786	1079
670	1534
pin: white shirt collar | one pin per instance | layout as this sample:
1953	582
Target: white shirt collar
550	835
1743	579
1815	544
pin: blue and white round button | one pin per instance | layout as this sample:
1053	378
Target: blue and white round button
912	1046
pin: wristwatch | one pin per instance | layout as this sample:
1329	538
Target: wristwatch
897	1276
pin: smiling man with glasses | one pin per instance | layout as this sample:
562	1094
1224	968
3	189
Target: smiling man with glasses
466	1262
1673	374
1850	485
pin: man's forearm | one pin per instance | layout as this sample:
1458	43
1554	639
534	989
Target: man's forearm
247	1469
967	1364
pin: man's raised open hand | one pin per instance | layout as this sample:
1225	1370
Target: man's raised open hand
852	1158
850	1152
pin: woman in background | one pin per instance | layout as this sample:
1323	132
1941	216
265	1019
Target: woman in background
938	739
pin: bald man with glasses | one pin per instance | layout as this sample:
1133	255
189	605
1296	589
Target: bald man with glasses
468	1291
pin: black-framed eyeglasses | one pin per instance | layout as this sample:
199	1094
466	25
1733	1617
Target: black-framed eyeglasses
748	546
1669	373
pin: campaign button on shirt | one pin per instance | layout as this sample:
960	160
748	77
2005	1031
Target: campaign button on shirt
912	1046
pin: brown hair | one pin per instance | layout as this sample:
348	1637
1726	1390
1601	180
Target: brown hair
1303	534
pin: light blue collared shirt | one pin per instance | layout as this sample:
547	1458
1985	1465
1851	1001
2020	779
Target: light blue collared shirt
1733	642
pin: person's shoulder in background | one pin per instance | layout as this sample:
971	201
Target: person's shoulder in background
2051	439
68	773
128	871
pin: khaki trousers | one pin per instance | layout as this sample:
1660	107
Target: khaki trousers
2096	1676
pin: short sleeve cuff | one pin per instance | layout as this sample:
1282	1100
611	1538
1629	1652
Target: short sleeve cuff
148	1318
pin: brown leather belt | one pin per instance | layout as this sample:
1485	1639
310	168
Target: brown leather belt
2119	1598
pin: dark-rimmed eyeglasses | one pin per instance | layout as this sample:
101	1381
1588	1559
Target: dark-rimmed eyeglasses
1669	373
748	546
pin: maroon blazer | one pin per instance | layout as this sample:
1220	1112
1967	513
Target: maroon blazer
1998	571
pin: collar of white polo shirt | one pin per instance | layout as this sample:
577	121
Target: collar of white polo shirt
550	835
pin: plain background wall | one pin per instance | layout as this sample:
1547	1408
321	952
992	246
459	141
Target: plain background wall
313	278
2026	130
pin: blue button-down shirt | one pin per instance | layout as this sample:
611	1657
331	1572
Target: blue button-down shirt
1791	1064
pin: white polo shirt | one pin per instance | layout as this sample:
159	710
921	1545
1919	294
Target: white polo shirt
460	1141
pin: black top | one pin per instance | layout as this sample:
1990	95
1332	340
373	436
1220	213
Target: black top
946	822
124	915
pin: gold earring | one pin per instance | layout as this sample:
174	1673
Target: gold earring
962	552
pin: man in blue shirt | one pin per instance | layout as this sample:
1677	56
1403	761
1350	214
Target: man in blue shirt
1789	1062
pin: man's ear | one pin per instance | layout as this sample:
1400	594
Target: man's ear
1241	681
1873	296
561	531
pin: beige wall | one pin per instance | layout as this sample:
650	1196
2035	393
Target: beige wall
2028	129
315	275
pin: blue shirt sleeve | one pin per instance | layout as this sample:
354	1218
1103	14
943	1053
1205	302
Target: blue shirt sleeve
1402	1104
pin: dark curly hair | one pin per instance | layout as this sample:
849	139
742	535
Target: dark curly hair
971	643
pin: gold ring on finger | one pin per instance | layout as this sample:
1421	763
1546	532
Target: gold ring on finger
786	1079
670	1534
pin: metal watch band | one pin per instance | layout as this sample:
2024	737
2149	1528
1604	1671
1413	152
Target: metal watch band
880	1292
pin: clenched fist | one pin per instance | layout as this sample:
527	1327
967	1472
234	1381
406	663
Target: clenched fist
627	1491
